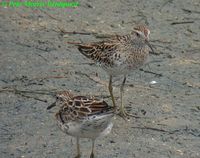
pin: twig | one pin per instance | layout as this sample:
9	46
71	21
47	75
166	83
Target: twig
96	35
103	35
154	53
20	92
150	72
152	128
51	16
47	77
145	87
91	78
191	11
32	97
161	41
4	81
86	63
182	22
74	43
26	91
194	132
75	33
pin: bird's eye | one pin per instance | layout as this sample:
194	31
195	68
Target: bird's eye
137	34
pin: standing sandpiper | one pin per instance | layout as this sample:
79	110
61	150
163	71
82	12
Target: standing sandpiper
120	55
83	117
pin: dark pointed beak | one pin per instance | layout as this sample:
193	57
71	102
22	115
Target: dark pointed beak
51	106
150	46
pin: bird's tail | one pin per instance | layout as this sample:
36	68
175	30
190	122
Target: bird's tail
85	49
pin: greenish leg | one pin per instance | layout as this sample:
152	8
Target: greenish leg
122	112
78	148
92	153
111	91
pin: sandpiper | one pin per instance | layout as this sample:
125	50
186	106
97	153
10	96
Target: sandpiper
120	55
83	117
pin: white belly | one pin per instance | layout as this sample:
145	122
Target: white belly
88	128
123	67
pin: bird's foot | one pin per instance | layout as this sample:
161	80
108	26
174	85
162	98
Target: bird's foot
125	115
92	155
78	156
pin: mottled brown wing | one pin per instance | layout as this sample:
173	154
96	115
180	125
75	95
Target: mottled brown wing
80	107
101	51
90	106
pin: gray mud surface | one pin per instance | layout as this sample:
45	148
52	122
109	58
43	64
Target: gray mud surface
35	56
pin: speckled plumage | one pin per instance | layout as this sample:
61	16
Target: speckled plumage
83	117
120	55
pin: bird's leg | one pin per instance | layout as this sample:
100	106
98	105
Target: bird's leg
111	91
78	148
92	153
122	112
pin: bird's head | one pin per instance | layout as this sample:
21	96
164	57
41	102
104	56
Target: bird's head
141	33
61	98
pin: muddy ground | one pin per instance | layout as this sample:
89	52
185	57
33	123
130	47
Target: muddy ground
35	57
